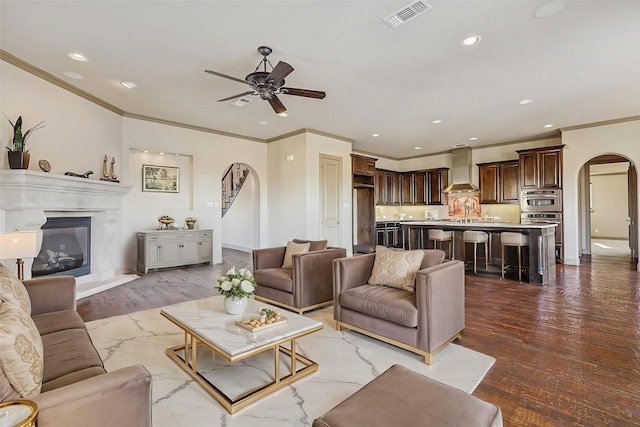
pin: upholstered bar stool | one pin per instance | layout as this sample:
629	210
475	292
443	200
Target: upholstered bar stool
518	240
476	237
442	236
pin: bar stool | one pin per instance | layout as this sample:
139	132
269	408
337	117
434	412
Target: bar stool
518	240
476	237
442	236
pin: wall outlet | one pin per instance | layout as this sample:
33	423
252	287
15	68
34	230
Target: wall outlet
208	204
596	230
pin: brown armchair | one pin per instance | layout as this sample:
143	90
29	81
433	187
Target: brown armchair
424	321
307	285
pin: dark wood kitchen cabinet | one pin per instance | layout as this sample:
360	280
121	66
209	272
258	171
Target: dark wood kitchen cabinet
387	187
541	167
437	180
363	200
499	182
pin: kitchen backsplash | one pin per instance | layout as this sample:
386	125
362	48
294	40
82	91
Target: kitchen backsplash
504	212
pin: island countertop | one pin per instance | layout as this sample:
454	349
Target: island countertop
540	253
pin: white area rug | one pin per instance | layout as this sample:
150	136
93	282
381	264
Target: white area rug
347	361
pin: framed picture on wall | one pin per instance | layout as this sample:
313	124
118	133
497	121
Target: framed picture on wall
165	179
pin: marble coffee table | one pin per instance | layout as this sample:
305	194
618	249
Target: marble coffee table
231	363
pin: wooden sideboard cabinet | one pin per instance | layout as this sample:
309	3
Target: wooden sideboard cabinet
173	248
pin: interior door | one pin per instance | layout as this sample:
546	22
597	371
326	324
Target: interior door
632	187
331	198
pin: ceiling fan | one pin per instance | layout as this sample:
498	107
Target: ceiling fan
269	84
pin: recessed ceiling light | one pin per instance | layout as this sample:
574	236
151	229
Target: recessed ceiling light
176	154
161	153
550	8
435	122
375	135
72	75
470	41
283	114
417	148
262	122
77	57
526	101
128	85
473	138
548	126
146	151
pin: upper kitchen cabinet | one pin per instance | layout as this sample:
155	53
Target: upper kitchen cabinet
437	180
499	182
423	187
387	187
541	167
362	165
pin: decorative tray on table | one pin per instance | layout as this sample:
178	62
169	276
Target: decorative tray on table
266	319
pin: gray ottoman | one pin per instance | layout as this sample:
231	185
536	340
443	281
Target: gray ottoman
402	397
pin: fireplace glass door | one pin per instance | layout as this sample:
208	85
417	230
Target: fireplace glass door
66	247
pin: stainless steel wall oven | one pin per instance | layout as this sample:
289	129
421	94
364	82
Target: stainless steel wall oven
541	200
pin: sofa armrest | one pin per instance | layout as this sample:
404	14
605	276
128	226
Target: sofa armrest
268	257
352	272
313	276
440	303
53	293
119	398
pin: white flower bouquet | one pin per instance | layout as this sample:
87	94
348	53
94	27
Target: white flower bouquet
236	283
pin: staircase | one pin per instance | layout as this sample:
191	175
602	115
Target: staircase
232	183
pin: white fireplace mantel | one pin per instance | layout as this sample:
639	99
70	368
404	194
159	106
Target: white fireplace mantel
28	190
27	198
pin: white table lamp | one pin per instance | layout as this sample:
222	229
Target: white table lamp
18	245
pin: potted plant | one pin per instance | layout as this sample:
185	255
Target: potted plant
18	154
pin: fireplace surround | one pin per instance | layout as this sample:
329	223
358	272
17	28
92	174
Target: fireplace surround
28	198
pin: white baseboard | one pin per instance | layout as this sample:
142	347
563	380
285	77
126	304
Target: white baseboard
84	290
238	248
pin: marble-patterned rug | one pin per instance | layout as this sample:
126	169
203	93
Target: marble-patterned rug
347	361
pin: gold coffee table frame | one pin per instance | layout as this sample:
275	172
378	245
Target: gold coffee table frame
31	419
190	364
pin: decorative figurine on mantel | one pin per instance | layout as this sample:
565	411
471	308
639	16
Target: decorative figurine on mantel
109	175
79	175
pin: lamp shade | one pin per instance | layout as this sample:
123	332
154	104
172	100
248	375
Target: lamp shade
18	244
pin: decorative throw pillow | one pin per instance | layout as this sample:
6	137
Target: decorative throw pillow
316	245
294	248
13	290
21	351
395	268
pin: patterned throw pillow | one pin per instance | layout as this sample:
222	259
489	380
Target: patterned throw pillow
21	351
12	290
294	248
395	268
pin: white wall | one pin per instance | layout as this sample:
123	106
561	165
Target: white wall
581	146
77	133
210	155
241	222
609	201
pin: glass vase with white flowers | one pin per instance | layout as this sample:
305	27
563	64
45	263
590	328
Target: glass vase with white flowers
237	287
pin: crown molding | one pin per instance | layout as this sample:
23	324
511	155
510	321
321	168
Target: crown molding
308	130
603	123
13	60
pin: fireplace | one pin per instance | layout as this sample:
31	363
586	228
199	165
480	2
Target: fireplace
66	247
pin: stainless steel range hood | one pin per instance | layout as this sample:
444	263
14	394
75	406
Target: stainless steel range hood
461	172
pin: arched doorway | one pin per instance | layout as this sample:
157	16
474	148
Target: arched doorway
608	210
240	222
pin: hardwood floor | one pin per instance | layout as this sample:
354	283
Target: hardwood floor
567	354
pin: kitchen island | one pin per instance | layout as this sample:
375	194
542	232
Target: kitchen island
540	254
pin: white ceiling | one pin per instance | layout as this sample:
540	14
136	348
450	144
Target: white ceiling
579	66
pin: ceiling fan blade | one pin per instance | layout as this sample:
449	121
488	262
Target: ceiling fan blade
281	71
215	73
277	105
237	96
303	92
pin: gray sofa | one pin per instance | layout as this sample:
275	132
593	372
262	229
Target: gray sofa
424	321
76	389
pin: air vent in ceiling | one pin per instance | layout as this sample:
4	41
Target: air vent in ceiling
241	102
407	13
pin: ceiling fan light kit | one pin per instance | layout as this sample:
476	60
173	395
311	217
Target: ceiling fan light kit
269	84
